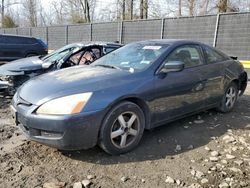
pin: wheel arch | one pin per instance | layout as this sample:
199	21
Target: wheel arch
241	82
136	100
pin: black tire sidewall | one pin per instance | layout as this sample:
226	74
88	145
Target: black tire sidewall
105	141
223	107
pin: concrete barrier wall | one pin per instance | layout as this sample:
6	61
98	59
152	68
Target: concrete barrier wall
228	32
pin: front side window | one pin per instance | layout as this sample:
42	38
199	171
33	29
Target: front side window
133	57
59	54
212	56
86	57
190	55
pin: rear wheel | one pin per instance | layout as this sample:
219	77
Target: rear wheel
229	99
122	128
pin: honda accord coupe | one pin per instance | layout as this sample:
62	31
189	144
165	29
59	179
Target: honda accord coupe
14	74
139	86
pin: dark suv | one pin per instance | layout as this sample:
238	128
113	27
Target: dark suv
15	47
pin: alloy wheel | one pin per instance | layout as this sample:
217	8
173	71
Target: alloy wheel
230	97
125	129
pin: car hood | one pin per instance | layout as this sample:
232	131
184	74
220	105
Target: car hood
78	79
19	66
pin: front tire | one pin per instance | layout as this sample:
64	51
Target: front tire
122	128
229	99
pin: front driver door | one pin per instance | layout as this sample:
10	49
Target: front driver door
179	93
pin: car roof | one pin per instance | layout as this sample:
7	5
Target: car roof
21	36
93	43
169	41
96	43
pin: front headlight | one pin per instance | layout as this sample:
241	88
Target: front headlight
71	104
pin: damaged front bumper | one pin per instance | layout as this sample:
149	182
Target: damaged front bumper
9	84
6	86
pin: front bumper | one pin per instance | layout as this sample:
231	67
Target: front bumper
63	132
4	86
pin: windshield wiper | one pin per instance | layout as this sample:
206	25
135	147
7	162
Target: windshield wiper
109	66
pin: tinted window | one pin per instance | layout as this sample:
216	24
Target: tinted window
188	54
19	40
212	56
58	55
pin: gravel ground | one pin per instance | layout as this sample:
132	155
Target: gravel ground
206	150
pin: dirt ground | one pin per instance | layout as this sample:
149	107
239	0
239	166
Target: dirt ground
206	150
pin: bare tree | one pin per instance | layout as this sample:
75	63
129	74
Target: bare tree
204	7
180	8
123	9
86	10
31	11
222	5
191	6
58	10
79	10
8	22
131	9
2	11
5	5
143	9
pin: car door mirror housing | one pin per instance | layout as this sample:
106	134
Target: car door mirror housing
46	65
172	66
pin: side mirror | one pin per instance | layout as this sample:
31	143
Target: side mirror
172	66
46	65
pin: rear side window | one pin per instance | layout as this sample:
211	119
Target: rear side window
213	56
20	40
190	55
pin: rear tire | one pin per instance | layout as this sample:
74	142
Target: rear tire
229	99
122	128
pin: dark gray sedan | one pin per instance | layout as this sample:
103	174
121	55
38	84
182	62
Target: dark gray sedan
139	86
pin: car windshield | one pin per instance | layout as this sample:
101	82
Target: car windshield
133	57
60	53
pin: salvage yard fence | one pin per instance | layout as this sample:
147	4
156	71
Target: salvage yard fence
229	32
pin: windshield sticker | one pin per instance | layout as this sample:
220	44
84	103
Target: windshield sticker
131	70
145	62
152	47
125	63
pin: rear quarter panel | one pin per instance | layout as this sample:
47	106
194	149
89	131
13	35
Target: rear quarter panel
234	71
